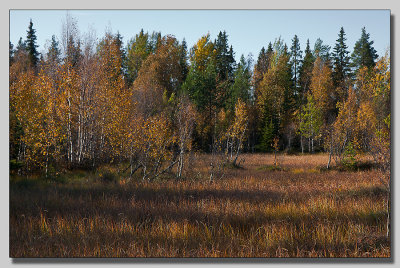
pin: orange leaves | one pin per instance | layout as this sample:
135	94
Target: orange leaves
366	119
240	121
322	86
203	52
160	74
35	101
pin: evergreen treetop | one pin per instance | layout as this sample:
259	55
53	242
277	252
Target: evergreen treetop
363	54
31	45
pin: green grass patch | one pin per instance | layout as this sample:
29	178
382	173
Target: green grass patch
271	168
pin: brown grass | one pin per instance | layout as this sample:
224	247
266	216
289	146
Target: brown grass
298	211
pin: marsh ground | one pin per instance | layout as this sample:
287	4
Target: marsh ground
255	211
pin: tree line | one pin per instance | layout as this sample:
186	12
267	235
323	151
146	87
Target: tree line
85	102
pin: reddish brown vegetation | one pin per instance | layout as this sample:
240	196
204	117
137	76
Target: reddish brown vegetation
298	211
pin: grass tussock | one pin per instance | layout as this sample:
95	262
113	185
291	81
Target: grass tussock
250	212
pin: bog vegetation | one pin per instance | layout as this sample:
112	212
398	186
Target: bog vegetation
300	210
146	115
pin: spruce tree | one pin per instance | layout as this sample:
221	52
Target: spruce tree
183	59
321	50
341	66
242	84
225	67
121	51
31	45
305	74
21	46
364	55
268	133
53	54
295	60
154	41
261	67
224	58
138	49
73	51
287	82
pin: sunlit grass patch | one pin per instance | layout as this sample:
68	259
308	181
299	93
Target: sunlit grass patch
303	170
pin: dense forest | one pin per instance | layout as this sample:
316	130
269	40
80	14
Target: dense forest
152	103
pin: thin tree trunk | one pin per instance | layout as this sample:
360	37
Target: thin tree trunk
180	163
312	145
47	162
388	215
238	147
330	154
70	150
79	137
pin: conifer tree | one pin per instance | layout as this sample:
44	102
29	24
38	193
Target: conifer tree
121	52
74	51
295	60
268	134
241	87
31	45
183	59
225	66
139	48
224	58
21	46
54	53
305	74
277	98
341	70
363	54
261	67
321	50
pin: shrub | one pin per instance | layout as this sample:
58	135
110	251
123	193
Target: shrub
349	160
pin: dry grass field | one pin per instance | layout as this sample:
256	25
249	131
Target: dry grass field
255	211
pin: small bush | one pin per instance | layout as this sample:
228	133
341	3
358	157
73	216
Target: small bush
349	161
271	168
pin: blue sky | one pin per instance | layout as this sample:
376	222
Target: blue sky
248	30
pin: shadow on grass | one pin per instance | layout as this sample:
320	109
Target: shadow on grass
358	167
138	204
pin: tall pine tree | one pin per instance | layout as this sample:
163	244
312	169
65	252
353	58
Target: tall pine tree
224	58
31	45
139	48
121	51
364	55
241	87
341	66
305	74
183	59
54	52
321	50
261	67
295	60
